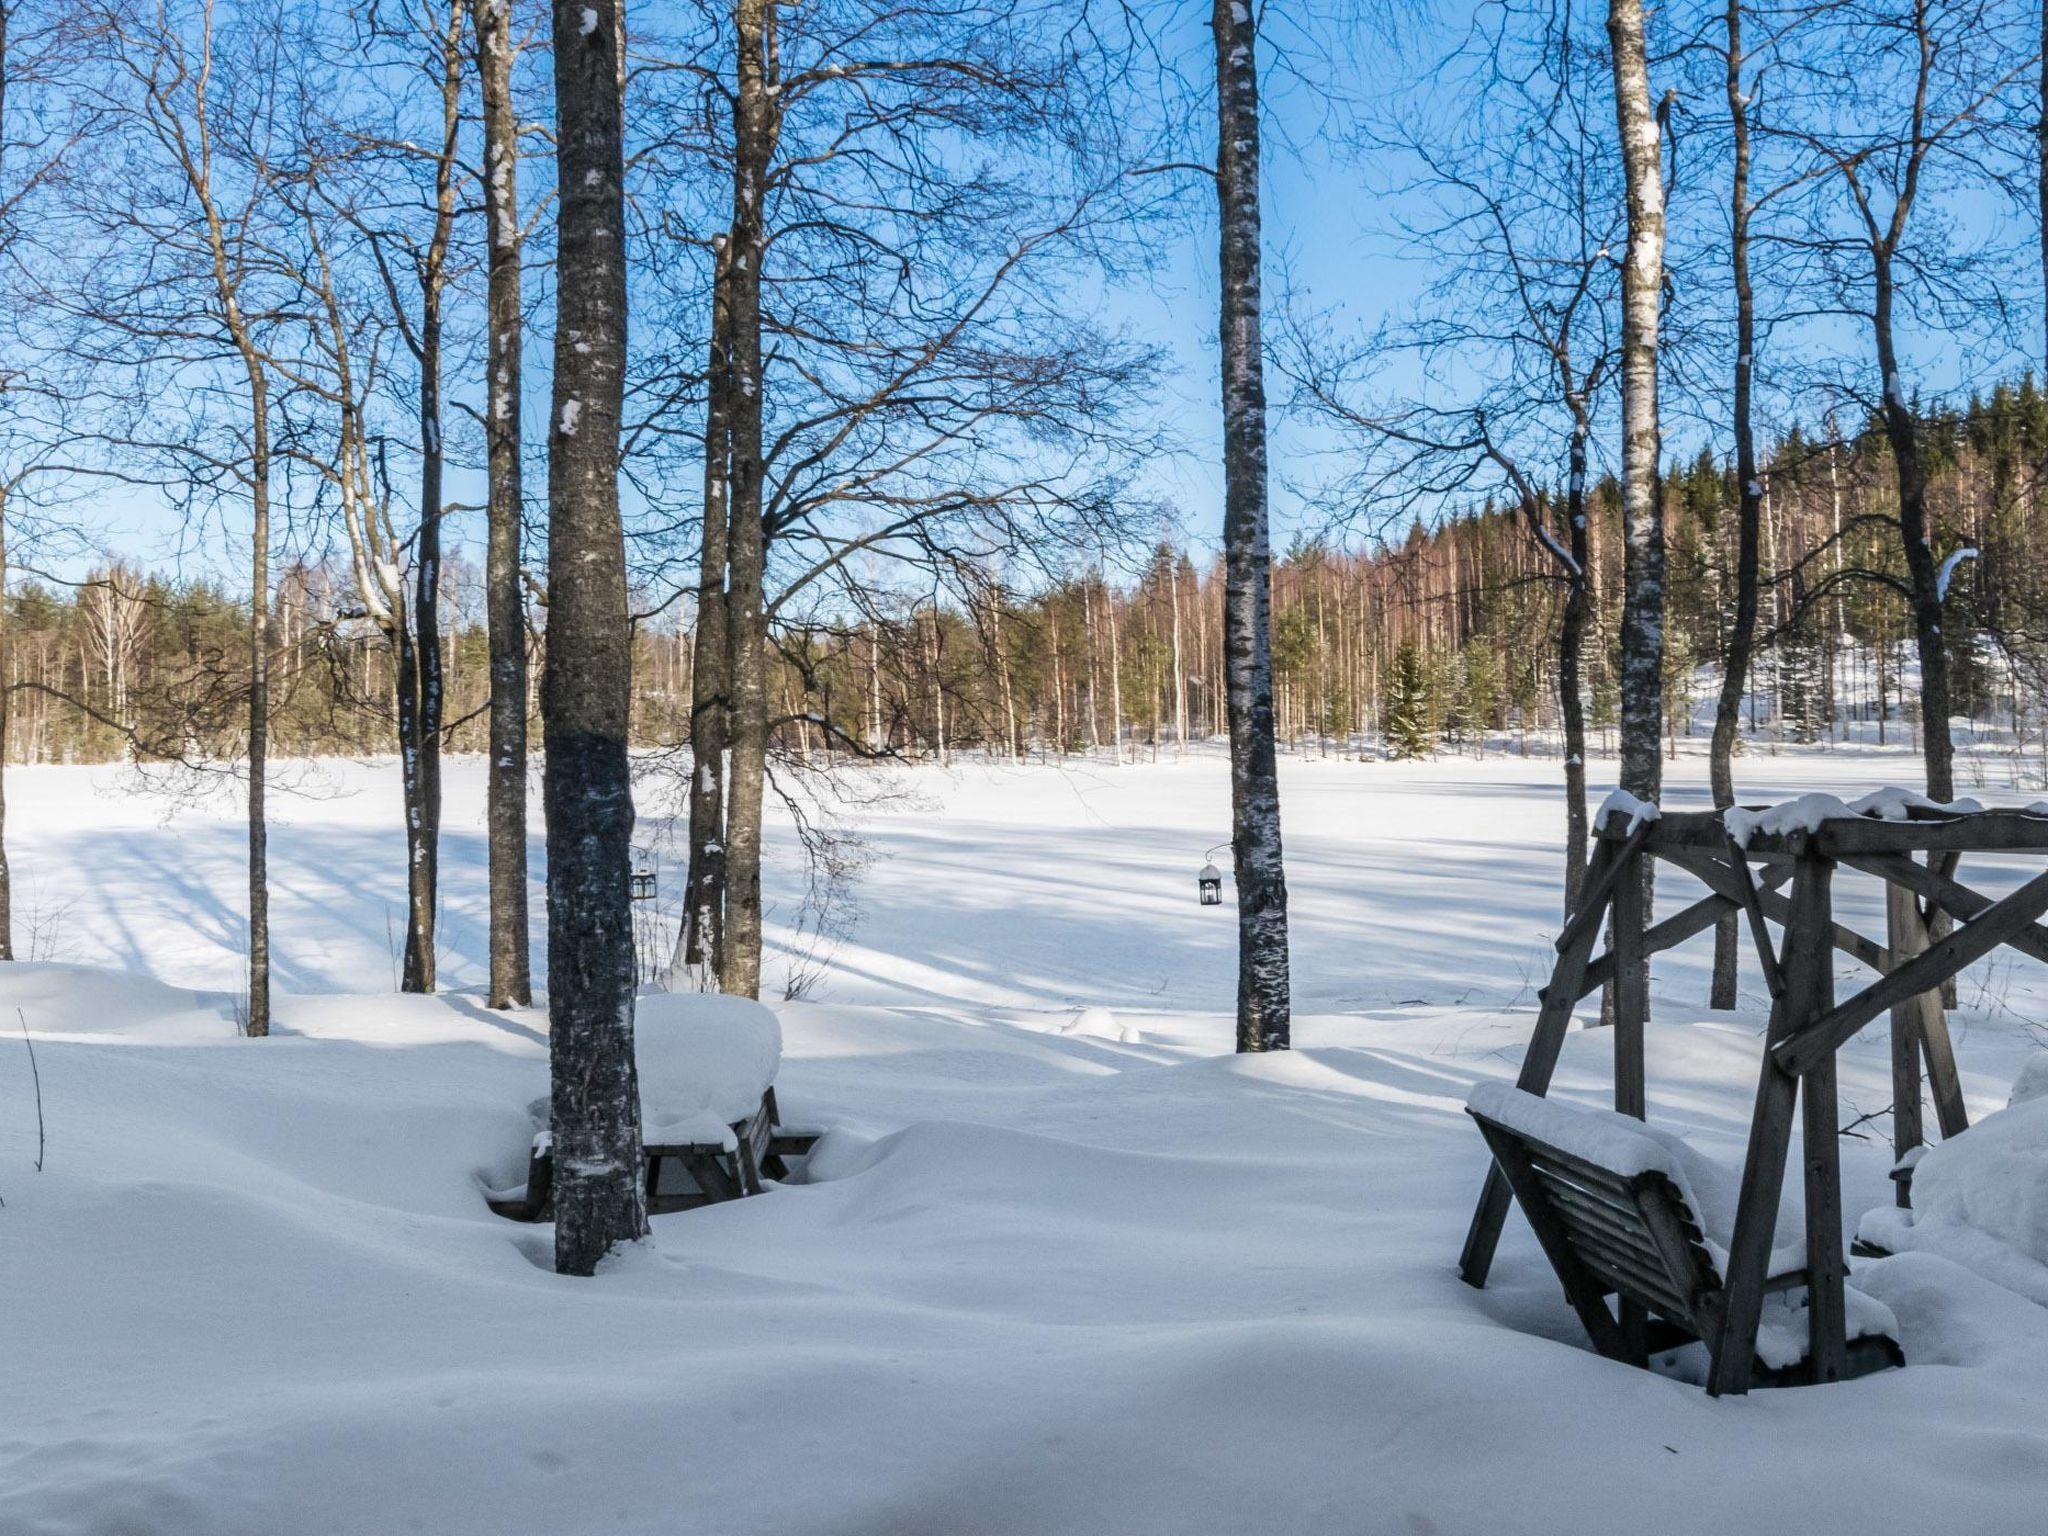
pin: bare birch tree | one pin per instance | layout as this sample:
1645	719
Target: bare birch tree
1264	1008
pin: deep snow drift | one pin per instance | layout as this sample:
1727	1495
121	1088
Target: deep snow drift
1065	1265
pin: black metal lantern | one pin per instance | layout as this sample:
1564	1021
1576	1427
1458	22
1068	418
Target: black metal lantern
1211	882
643	885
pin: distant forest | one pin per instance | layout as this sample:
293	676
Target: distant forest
1407	642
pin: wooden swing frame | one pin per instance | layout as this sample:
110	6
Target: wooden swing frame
1936	927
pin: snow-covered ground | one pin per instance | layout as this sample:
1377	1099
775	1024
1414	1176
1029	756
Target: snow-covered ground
1065	1264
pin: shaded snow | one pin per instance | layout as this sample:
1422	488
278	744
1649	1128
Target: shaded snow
1042	1280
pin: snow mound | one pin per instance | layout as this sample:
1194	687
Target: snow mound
704	1062
1621	802
1981	1198
2032	1082
1892	803
1807	812
1101	1024
84	1000
1804	814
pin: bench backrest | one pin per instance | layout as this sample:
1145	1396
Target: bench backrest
1634	1234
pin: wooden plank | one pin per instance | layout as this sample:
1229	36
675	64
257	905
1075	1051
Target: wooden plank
1752	908
1820	1130
1718	877
1980	832
1942	1080
1807	955
1595	894
1633	1286
1623	1227
1957	899
1631	984
1820	1038
1553	1020
1907	937
1580	1288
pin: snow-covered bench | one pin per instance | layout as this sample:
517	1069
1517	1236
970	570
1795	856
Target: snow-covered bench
708	1116
1622	1209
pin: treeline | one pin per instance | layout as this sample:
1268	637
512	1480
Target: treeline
1414	644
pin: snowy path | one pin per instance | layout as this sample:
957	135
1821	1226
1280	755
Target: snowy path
1046	1283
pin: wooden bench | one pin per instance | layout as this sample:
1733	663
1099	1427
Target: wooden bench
682	1175
1635	1237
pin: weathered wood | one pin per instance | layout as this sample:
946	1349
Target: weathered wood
1818	1039
1581	1289
1907	937
1717	876
1553	1020
1820	1130
1942	1079
1954	897
1598	890
1752	909
1631	983
1808	955
1979	832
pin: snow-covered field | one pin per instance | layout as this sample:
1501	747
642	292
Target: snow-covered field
1064	1263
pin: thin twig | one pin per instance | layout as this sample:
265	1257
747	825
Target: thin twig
36	1076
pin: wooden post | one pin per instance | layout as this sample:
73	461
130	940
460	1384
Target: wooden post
1905	936
1631	984
1820	1127
1807	963
1630	989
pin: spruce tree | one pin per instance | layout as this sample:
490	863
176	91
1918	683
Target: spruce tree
1410	731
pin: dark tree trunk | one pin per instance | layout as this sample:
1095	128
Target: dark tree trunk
1902	432
703	925
585	686
1571	651
1749	503
420	681
511	972
755	123
1263	1004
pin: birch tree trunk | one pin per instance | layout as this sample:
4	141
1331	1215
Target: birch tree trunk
1642	281
585	685
258	1024
1749	503
505	607
1263	1005
755	121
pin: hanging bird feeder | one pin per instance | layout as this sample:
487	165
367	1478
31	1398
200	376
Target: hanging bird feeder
1210	881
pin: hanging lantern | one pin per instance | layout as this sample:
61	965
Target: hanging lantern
1210	880
643	885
